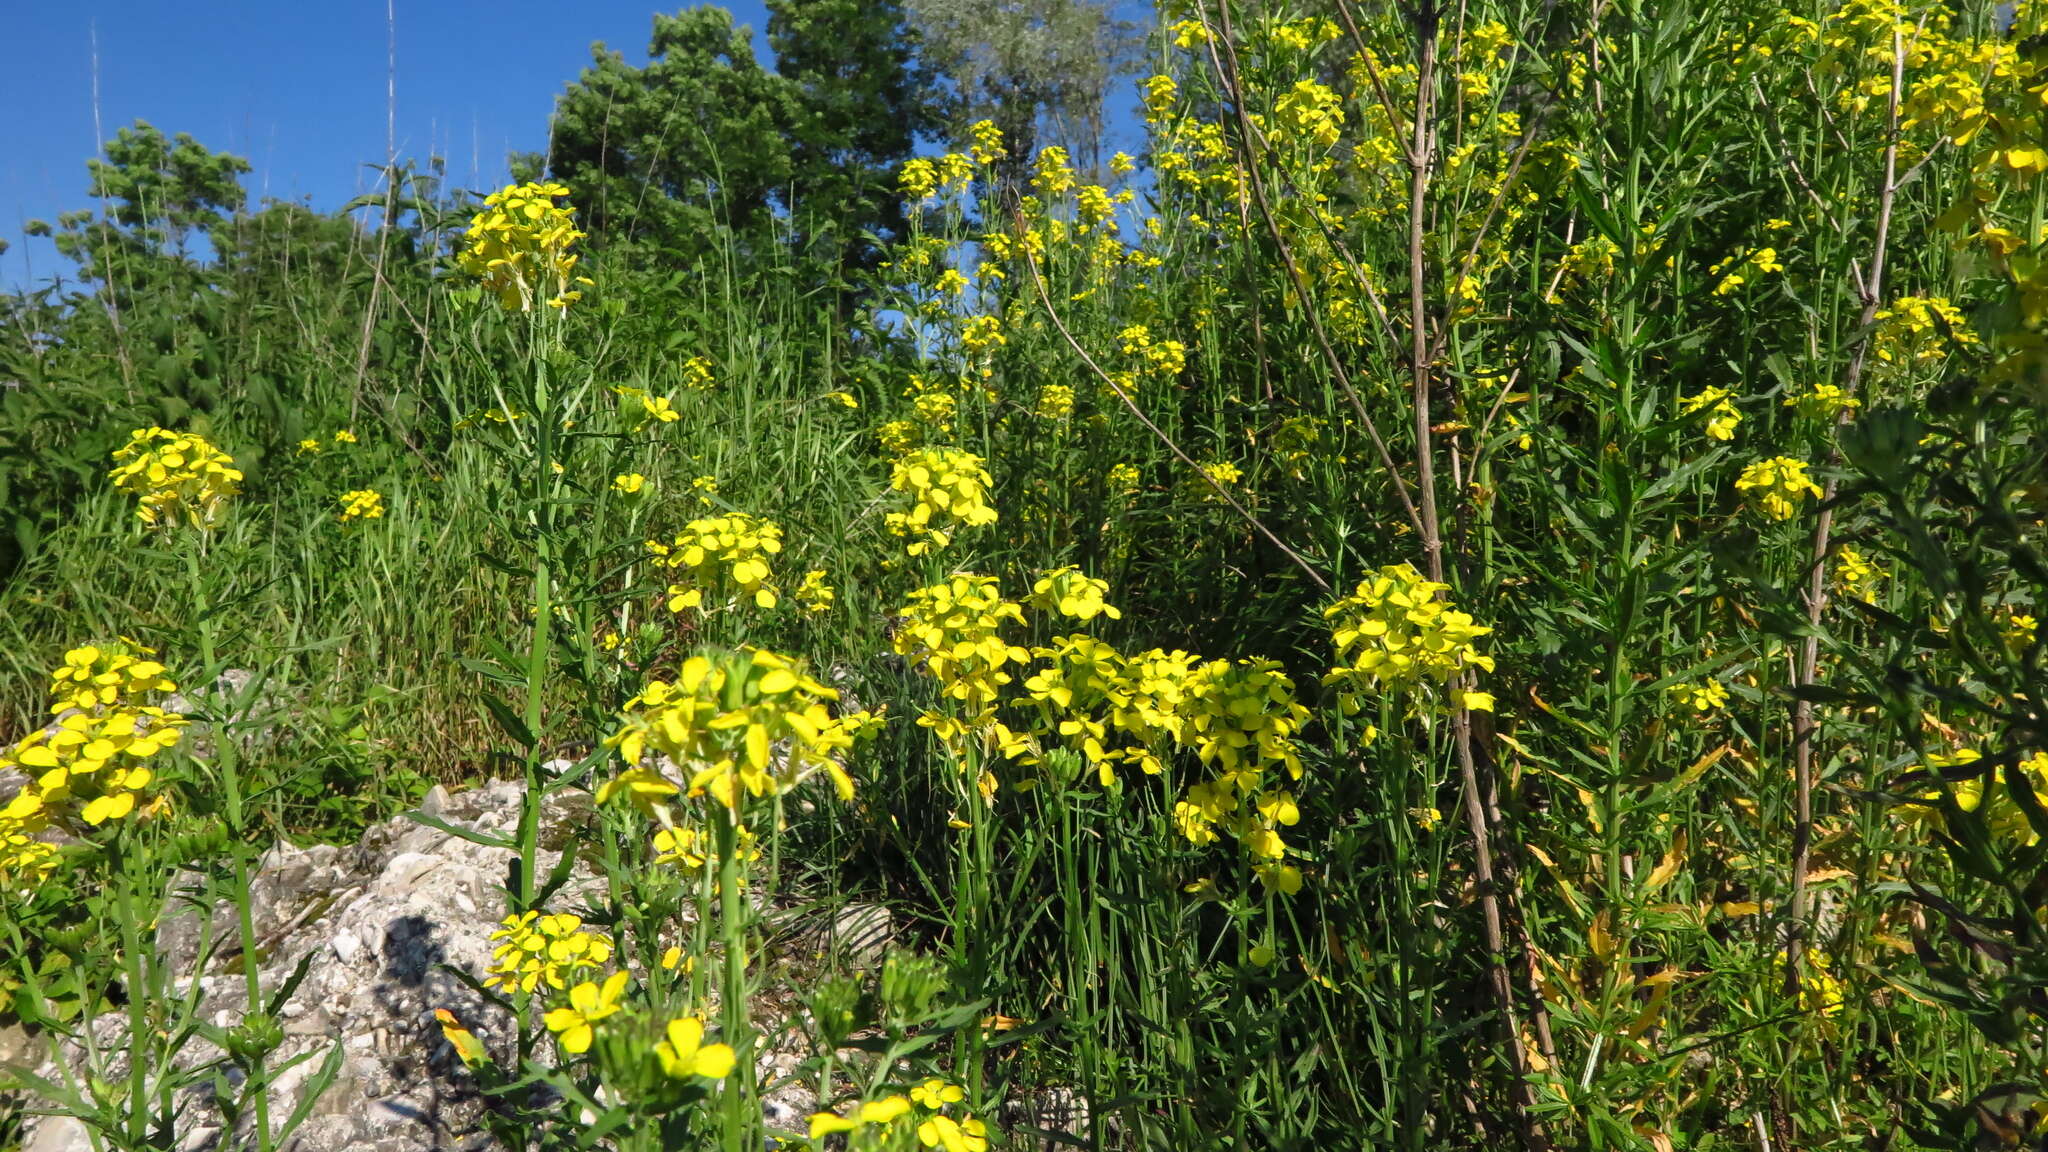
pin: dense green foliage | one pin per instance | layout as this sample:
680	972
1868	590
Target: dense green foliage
1689	352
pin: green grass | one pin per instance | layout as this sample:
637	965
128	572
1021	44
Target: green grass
1643	852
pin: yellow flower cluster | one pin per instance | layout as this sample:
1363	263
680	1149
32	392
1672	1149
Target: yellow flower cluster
1242	719
92	763
536	950
2000	811
953	629
698	375
814	593
721	720
519	247
361	504
725	557
1055	402
1703	696
1777	485
173	475
1163	359
1308	113
1395	632
931	1105
1855	576
1074	595
947	488
1919	330
1824	402
1740	269
1722	418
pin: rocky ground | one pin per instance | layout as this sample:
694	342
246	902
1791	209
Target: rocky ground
379	927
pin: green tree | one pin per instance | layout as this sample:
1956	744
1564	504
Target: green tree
667	157
861	100
704	146
1041	69
157	196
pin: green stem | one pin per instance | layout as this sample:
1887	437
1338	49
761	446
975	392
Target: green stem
739	1094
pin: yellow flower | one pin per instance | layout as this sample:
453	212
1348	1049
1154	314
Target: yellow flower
645	788
361	504
535	950
175	472
987	147
919	180
345	437
309	446
1778	485
881	1112
628	483
814	593
1068	592
935	1094
953	631
1704	696
1920	330
1855	576
746	723
575	1025
684	1054
945	487
724	557
1825	402
843	399
1395	631
697	375
967	1135
519	247
1724	416
2020	630
1055	402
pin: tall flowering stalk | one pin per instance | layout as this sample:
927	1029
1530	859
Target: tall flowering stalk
735	728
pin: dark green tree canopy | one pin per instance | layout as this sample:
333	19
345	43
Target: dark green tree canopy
704	144
156	193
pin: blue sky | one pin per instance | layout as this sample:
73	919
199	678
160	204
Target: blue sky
298	89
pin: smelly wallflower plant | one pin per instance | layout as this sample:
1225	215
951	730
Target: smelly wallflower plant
1777	486
814	593
947	489
1073	595
1701	696
1396	632
575	1024
518	246
92	765
722	721
1722	416
174	476
361	504
721	560
1823	402
953	630
1854	576
536	951
628	483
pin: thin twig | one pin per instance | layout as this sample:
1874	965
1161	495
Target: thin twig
1870	287
1227	76
1038	283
